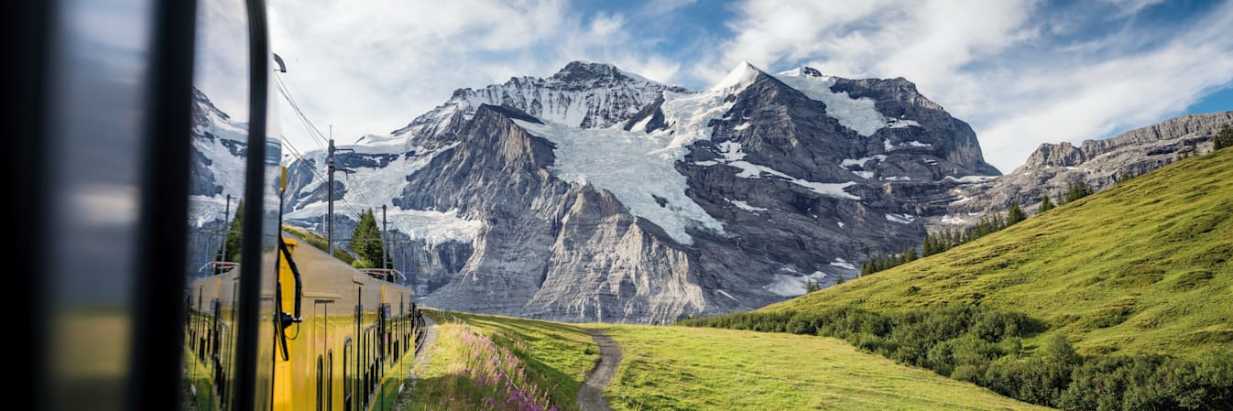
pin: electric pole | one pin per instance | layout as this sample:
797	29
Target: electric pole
385	244
329	195
226	228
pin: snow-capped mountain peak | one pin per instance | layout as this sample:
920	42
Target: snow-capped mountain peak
741	76
582	94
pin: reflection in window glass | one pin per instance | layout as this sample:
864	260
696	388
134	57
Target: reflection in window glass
216	188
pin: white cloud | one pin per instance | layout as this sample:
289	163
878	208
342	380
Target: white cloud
998	65
370	67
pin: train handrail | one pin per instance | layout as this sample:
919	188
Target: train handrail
215	266
384	274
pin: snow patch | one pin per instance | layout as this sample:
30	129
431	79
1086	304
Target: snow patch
861	161
901	218
858	114
745	206
841	263
633	167
970	179
902	123
886	144
725	294
435	227
733	156
791	286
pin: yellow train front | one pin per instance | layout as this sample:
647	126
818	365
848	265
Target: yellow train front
350	342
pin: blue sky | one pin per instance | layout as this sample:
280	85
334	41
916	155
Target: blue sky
1022	72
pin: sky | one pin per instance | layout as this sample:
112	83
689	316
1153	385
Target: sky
1021	72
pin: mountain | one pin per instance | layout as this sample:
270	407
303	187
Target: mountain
1098	163
596	194
217	161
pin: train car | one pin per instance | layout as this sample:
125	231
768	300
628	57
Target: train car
352	345
209	336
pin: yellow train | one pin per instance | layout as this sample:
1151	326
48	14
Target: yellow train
347	339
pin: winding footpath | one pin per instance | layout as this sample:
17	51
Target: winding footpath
591	395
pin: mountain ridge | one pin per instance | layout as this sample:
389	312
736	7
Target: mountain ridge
651	202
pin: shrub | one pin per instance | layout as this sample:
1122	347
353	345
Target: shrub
1224	138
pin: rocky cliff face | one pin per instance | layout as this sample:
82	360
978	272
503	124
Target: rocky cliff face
1098	163
595	194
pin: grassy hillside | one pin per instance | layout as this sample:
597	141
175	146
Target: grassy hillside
1143	268
1120	300
672	368
474	358
683	368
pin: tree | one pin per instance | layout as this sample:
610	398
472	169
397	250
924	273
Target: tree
1046	204
812	285
366	242
1225	138
1077	190
1015	215
234	234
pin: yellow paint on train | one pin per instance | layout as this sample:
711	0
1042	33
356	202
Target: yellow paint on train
352	348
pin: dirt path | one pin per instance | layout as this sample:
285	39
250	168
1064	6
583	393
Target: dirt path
591	395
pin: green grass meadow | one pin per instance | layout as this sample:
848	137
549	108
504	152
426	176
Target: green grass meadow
1145	267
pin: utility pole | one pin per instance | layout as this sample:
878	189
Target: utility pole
226	228
329	195
385	244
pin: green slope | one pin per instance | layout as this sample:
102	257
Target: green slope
671	368
683	368
1145	267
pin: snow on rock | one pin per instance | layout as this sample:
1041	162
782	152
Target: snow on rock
859	114
732	155
635	167
888	146
970	179
737	79
369	186
861	161
901	218
841	263
725	294
901	123
433	226
745	206
793	285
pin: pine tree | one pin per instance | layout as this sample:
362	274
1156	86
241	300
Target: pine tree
1077	190
366	242
1046	204
1224	138
1015	215
234	234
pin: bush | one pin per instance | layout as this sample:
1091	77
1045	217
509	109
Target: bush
1224	138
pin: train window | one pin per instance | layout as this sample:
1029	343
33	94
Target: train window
320	386
346	377
329	382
